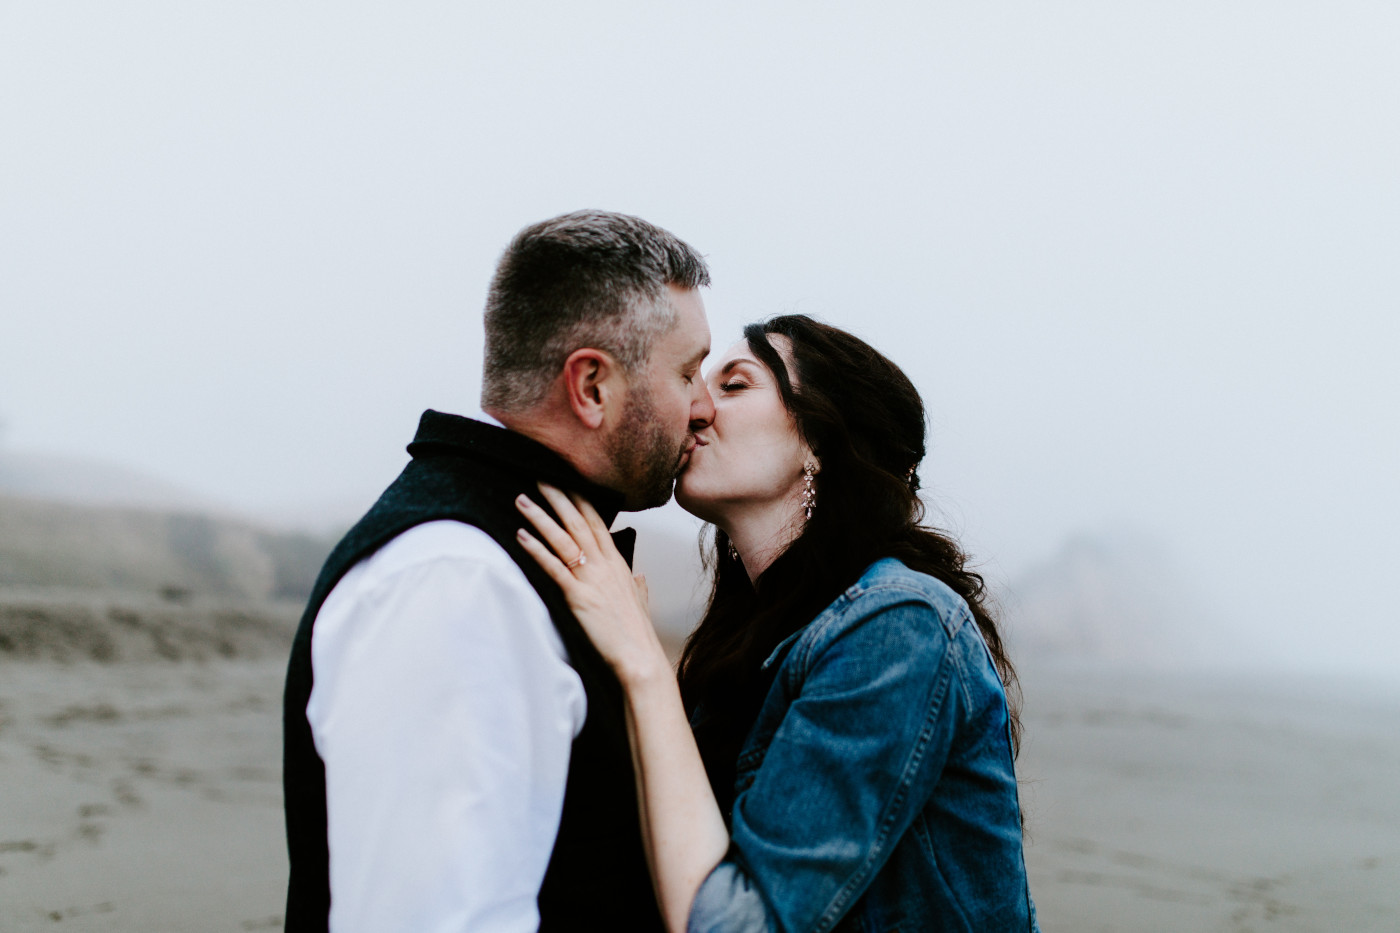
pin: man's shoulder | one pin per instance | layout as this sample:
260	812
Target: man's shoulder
440	541
433	573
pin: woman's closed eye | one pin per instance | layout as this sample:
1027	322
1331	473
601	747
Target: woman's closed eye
733	386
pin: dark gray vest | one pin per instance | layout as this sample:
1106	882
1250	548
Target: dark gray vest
471	472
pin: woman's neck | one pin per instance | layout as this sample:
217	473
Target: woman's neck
761	534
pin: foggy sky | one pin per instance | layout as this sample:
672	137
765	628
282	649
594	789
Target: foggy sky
1143	260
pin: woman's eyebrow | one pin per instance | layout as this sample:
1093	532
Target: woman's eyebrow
737	361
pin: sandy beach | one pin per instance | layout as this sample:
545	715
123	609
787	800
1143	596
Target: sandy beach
140	756
1207	803
142	793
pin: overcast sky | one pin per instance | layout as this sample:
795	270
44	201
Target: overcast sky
1142	259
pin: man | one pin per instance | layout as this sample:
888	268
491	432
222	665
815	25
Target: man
456	753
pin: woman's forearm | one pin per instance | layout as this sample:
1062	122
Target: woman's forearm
682	830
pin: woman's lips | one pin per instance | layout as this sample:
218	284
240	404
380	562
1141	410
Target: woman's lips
695	444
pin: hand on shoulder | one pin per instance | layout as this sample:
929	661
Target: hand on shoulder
606	598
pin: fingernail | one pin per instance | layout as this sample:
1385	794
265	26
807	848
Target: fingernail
523	501
521	535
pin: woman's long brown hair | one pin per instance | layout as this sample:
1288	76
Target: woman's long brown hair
864	420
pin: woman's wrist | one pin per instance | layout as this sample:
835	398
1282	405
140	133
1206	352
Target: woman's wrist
644	669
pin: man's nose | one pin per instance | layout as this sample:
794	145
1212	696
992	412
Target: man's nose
702	407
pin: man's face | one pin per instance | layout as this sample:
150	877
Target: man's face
667	402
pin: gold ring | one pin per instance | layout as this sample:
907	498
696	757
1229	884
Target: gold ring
578	561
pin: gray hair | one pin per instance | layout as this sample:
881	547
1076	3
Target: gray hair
586	279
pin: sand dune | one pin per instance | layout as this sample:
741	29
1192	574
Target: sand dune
170	552
115	627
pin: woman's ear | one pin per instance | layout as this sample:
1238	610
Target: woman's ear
592	383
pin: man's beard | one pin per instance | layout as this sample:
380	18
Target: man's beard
645	460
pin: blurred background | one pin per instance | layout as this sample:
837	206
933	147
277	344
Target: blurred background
1140	258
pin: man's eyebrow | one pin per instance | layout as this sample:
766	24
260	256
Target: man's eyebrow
698	358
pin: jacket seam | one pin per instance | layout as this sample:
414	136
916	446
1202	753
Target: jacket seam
842	898
808	642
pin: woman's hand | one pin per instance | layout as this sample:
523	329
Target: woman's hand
682	830
609	602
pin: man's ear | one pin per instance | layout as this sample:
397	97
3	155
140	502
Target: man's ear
592	383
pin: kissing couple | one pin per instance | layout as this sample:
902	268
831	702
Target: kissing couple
482	730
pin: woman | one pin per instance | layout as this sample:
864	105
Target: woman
850	764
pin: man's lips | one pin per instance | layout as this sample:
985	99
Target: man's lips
691	444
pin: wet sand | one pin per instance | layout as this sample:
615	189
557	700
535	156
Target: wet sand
140	761
141	798
1212	803
145	796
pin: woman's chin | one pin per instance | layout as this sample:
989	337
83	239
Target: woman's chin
694	500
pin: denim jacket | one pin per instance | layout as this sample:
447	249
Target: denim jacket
876	790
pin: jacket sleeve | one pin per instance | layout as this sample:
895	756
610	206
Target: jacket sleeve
853	761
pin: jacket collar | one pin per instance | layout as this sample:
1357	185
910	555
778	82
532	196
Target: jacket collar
442	434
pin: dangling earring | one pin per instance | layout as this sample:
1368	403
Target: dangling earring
809	489
733	551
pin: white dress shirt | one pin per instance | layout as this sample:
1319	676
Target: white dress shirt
444	708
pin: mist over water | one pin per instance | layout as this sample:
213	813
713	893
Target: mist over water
1141	262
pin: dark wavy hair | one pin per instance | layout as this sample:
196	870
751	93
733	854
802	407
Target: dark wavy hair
864	420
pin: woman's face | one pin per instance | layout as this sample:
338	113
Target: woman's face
751	456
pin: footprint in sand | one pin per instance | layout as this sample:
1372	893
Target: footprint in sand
100	713
67	913
126	795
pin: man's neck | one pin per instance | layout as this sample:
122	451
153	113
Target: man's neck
545	430
486	417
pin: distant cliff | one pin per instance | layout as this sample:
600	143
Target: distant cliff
162	552
1115	597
